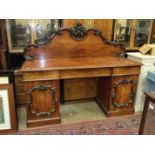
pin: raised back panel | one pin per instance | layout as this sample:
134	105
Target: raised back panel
74	43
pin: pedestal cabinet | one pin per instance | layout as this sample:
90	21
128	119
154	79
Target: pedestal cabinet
121	99
42	102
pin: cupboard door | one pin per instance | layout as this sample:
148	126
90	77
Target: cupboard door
43	97
123	92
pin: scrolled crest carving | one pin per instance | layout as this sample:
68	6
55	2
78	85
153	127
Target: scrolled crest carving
27	51
78	32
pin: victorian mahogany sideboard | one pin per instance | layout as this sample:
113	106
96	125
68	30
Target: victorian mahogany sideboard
77	53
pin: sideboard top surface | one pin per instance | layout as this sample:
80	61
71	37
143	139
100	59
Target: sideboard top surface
76	63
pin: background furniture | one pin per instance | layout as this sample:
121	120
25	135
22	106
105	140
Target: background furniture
77	53
21	32
153	33
8	117
8	120
3	46
147	121
148	64
133	32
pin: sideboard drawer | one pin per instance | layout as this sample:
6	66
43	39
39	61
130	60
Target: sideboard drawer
38	76
126	71
79	73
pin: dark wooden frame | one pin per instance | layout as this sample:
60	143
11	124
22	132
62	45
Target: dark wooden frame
9	74
148	99
152	32
9	88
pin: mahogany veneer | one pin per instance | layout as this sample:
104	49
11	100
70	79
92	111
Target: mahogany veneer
75	56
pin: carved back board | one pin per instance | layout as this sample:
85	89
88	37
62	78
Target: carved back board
76	42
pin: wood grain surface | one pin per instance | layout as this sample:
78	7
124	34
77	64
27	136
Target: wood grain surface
76	63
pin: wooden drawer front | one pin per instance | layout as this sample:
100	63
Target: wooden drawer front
44	75
19	84
126	71
67	74
19	87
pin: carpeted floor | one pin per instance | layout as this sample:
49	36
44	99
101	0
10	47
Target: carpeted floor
125	125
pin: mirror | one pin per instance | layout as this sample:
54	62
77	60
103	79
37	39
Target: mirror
122	31
44	27
22	32
143	28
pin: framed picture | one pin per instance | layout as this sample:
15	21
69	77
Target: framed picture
7	109
6	77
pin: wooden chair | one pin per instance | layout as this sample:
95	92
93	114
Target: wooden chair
150	97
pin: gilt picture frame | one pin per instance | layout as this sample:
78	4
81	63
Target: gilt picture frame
7	109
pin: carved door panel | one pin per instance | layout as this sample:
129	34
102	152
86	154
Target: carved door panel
42	97
123	92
